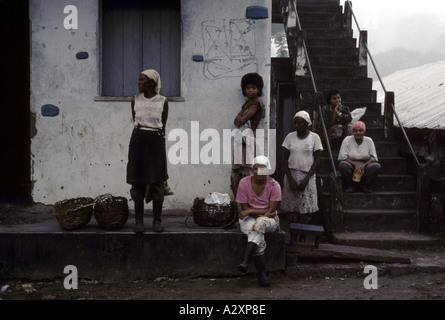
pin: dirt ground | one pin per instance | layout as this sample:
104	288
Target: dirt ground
283	287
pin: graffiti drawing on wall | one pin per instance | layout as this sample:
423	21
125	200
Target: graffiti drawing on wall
229	47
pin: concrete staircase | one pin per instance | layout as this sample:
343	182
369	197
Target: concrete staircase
385	218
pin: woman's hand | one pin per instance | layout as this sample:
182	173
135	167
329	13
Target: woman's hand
293	184
243	214
303	184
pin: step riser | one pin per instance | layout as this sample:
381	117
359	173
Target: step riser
332	51
324	84
321	25
382	183
303	9
318	2
334	61
390	244
376	201
310	17
329	34
381	222
322	72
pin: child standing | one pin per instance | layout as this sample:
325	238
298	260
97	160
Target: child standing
301	155
248	118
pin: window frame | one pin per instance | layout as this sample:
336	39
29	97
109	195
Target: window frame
100	46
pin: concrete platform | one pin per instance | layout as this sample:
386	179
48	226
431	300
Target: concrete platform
42	249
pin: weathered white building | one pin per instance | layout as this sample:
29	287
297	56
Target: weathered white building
85	63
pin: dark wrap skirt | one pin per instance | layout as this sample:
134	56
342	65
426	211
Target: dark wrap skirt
147	159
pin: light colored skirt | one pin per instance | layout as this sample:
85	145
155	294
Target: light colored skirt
303	202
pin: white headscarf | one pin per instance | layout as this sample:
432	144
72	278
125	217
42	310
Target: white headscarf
262	160
304	115
153	74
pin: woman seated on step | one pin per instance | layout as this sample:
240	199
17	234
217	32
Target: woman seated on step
337	119
259	196
358	160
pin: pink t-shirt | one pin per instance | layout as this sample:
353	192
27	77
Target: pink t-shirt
271	192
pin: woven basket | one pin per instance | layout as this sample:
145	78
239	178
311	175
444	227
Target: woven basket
214	215
111	212
74	213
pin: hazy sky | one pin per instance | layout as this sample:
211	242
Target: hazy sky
413	24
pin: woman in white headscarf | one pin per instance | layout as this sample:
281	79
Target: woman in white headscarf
301	156
147	161
259	196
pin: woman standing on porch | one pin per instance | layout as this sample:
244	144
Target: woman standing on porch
147	160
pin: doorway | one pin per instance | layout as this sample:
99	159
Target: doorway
15	122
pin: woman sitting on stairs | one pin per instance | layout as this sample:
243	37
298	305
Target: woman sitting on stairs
358	160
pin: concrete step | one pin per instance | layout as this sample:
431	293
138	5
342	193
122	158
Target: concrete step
314	24
329	34
297	253
380	219
341	71
310	7
327	42
383	182
333	61
387	240
301	3
331	51
376	200
325	84
316	16
41	250
390	165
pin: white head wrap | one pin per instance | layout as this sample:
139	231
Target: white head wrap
153	74
304	115
262	160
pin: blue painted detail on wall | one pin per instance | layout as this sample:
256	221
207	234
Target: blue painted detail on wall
50	110
198	58
257	12
82	55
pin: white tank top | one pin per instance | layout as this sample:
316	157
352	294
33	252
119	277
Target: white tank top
148	112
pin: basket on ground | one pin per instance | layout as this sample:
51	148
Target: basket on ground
111	212
74	213
214	215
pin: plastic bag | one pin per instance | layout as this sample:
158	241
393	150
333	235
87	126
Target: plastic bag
217	198
357	114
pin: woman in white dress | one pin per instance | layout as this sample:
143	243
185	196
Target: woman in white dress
302	149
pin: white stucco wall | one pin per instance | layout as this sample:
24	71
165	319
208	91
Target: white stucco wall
83	150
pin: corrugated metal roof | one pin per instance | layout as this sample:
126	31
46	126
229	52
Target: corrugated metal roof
419	95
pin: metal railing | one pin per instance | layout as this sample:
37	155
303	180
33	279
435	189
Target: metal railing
320	112
348	3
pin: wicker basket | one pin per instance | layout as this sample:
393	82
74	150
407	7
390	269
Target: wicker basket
111	212
214	215
74	213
